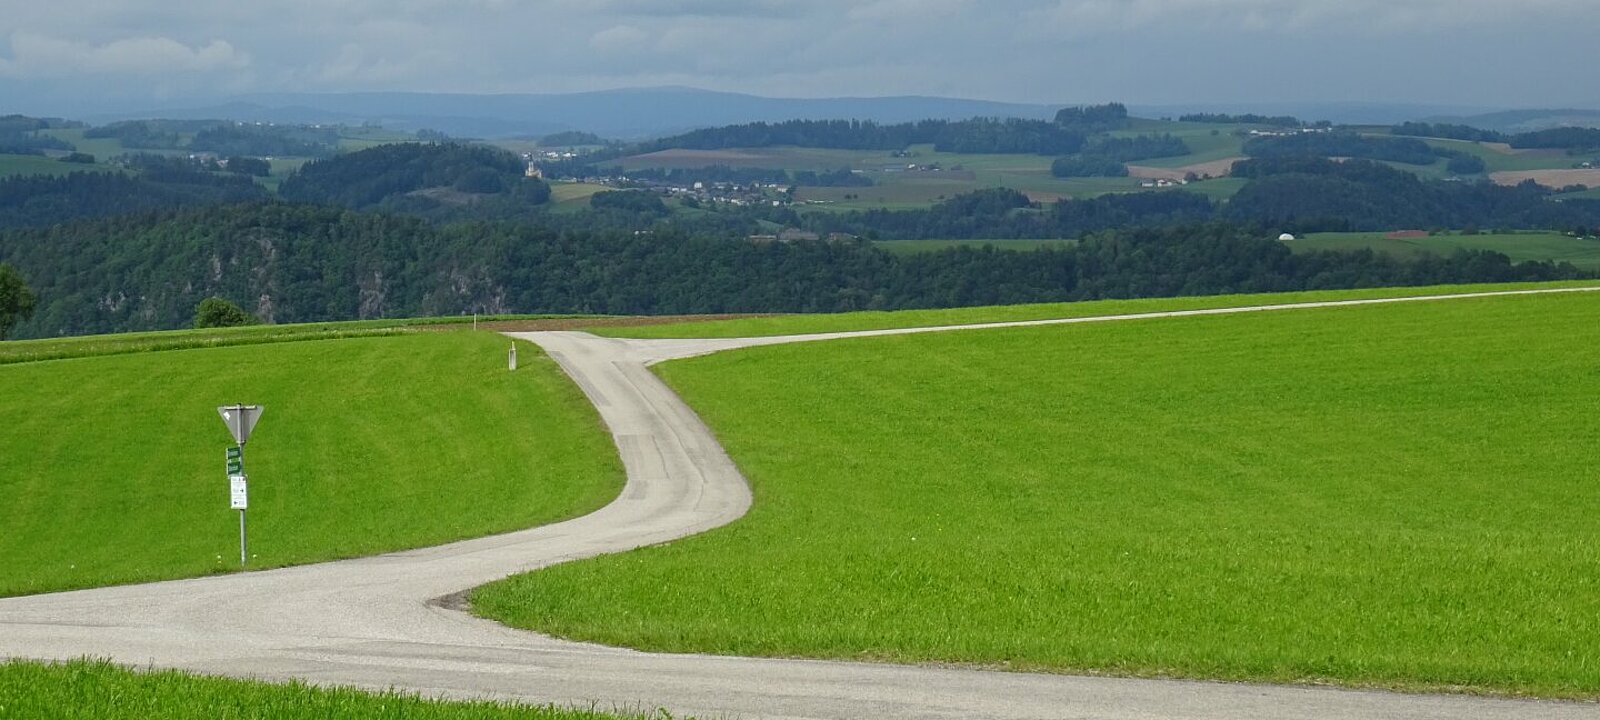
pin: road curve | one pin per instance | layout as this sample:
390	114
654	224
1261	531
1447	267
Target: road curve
380	622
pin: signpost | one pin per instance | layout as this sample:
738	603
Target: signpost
240	419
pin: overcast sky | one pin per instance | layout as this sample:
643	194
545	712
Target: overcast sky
1466	52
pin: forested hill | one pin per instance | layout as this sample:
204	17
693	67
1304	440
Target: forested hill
290	263
44	200
428	179
1298	195
1065	135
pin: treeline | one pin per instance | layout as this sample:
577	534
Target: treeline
687	177
1564	138
46	200
19	135
221	137
1574	139
1316	194
1091	119
1003	213
1447	131
1286	121
978	135
1342	144
266	141
289	263
1107	156
392	176
1295	194
572	138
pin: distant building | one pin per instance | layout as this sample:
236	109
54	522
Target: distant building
533	171
1286	237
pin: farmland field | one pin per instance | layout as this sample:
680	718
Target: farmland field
1395	496
899	186
102	691
367	444
39	165
1520	247
875	320
573	195
1549	178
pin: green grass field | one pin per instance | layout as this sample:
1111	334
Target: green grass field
96	690
874	320
17	351
1520	246
573	196
102	149
15	165
1498	159
114	466
1394	496
898	187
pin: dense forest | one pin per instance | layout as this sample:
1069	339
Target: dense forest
19	136
43	200
445	227
437	180
1316	194
1065	135
1286	121
1342	144
286	262
685	177
221	137
978	135
1447	131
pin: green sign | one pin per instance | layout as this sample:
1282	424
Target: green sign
235	460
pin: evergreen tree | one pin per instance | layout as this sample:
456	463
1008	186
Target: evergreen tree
16	300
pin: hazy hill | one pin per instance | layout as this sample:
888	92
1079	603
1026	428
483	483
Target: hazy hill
1518	121
629	113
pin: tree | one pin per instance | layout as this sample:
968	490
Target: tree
16	300
215	312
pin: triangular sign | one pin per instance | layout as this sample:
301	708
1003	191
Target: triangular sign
240	419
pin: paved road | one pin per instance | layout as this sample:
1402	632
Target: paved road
379	622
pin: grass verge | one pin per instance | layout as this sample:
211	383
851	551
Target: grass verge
1394	496
114	471
875	320
95	345
100	690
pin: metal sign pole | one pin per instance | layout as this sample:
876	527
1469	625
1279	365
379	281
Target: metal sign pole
240	419
242	555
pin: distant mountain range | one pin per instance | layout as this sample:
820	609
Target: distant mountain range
1515	121
638	113
621	114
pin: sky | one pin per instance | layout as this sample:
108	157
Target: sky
1479	53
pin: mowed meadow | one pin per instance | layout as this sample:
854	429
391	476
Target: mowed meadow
113	467
1393	495
99	690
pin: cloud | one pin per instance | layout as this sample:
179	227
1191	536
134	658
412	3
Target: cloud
40	56
1150	51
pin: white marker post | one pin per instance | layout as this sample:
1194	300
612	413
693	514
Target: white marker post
511	357
240	419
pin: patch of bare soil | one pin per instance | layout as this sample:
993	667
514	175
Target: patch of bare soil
1215	168
1549	178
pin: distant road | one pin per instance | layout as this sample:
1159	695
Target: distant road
388	621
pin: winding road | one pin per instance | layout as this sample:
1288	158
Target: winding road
391	621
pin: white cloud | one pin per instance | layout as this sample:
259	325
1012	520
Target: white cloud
1040	50
40	56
